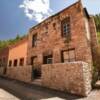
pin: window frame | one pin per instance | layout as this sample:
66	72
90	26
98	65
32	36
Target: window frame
67	31
54	26
69	58
47	58
34	40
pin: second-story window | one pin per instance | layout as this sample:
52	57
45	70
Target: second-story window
34	40
65	27
54	26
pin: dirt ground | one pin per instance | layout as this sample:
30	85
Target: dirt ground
15	90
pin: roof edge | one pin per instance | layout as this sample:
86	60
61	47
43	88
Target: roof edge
19	42
79	1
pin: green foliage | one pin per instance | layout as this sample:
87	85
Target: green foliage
98	34
5	43
96	65
97	21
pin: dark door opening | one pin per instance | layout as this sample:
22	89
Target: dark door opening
5	71
36	73
36	69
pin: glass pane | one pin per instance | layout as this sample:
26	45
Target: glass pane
72	55
34	40
65	54
49	60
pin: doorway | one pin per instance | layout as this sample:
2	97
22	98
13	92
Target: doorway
36	68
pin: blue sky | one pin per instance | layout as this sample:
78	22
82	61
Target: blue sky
17	16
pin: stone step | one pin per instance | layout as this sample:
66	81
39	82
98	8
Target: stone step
37	82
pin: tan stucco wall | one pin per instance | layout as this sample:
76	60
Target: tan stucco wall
17	52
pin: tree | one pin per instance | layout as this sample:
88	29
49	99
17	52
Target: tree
5	43
96	65
97	21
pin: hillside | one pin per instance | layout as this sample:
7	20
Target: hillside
97	21
5	43
98	34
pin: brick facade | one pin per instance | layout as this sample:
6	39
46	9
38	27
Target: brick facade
50	40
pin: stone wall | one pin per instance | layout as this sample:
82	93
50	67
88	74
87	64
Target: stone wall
22	73
71	77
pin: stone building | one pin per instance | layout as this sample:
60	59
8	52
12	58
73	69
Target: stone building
62	42
3	60
57	52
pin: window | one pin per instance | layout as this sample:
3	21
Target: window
54	26
46	29
21	62
15	62
68	55
34	40
10	63
48	59
65	27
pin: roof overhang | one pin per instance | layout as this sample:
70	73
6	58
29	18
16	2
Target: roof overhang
86	13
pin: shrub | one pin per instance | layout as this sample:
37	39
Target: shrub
96	65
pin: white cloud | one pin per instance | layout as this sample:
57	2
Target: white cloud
36	10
